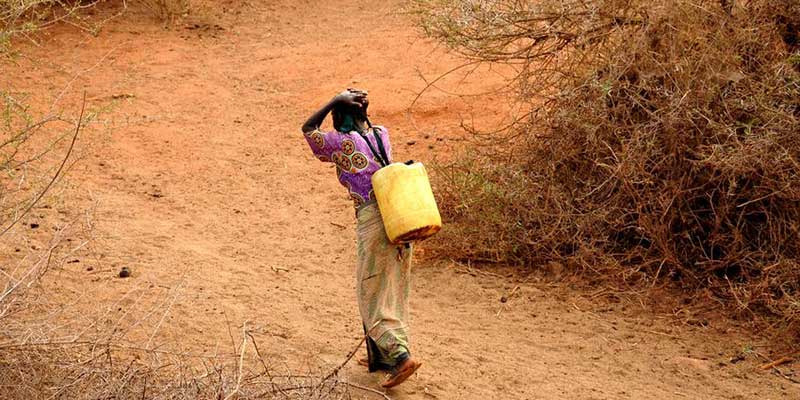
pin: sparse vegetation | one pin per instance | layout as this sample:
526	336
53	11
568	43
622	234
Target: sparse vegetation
21	18
45	352
662	144
167	10
34	152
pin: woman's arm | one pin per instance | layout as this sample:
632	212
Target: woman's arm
346	98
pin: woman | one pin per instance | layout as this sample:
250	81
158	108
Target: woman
383	270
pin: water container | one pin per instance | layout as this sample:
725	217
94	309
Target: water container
406	202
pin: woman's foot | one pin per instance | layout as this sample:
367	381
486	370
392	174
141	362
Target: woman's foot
402	372
364	362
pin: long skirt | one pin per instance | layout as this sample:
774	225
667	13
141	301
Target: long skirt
383	280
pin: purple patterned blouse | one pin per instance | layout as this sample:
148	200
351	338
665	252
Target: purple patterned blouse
354	160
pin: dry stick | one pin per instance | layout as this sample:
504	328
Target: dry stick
777	363
80	73
271	378
258	352
74	382
230	334
508	298
241	362
73	9
786	358
58	172
164	316
29	128
368	389
498	90
349	356
782	375
35	268
440	77
129	309
430	84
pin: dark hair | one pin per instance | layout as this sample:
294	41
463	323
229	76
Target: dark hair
358	114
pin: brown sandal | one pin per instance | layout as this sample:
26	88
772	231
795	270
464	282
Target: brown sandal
402	373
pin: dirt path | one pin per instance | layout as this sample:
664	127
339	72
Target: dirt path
203	185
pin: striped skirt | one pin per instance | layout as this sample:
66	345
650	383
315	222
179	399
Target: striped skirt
383	280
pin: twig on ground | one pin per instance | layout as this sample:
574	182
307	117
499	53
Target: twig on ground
367	389
57	173
240	363
164	315
346	360
777	363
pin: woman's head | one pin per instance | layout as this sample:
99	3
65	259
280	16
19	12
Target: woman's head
348	117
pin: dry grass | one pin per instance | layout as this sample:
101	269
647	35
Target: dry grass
22	18
47	349
52	349
166	10
113	368
662	145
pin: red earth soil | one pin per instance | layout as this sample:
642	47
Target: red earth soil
194	174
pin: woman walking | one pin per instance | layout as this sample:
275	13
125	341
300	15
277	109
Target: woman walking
383	270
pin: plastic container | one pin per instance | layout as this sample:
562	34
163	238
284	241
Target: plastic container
406	202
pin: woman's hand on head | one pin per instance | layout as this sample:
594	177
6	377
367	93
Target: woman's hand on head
363	96
351	98
357	91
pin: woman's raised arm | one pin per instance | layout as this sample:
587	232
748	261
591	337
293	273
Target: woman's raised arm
346	98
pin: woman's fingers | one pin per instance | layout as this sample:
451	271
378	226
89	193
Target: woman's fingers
358	100
348	99
353	97
352	102
354	90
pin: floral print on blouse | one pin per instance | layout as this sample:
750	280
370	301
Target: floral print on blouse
354	160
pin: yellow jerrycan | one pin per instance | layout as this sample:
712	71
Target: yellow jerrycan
406	202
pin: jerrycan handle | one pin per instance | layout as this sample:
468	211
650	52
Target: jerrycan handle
409	162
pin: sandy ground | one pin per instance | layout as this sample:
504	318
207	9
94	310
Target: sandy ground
196	176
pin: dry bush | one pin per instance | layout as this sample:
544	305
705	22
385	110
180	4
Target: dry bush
104	369
52	348
24	17
34	156
48	349
662	143
165	10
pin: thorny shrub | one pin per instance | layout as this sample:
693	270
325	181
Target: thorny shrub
49	350
662	143
166	10
40	356
24	17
